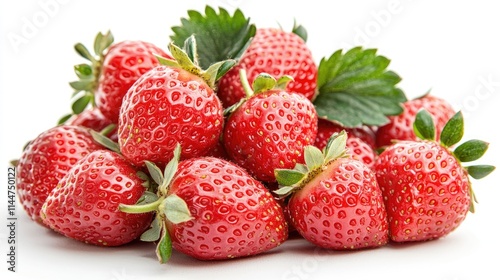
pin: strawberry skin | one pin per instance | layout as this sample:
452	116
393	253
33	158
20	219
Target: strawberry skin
84	205
426	191
341	208
401	127
164	107
95	120
46	160
278	53
270	130
123	64
233	214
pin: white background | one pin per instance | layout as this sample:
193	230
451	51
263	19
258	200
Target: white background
452	48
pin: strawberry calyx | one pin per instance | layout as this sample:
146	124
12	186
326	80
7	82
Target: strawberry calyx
187	58
264	82
291	180
166	206
452	134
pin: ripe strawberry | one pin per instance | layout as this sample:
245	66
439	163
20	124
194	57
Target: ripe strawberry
212	209
278	53
95	120
358	147
46	160
426	190
270	128
172	103
114	68
84	205
400	126
336	202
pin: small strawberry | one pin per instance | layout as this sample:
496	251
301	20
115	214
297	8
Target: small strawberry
170	104
46	160
84	205
358	148
211	209
93	118
400	127
426	190
278	53
335	201
269	128
111	72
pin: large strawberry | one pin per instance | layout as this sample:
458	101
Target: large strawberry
46	160
336	202
278	53
400	127
211	209
170	104
269	128
426	189
111	72
84	205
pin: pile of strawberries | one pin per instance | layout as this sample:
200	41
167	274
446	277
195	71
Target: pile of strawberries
232	138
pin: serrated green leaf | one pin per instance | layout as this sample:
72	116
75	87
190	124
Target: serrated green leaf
479	171
471	150
288	177
154	172
175	209
423	126
219	36
154	232
355	88
164	246
453	131
313	157
80	104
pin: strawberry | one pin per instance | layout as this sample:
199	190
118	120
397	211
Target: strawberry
95	120
426	190
278	53
358	147
45	160
169	104
211	209
270	128
84	205
113	69
400	126
335	201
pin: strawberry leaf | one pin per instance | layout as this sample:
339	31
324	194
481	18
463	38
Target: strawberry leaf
423	126
154	232
287	177
479	171
219	36
155	172
175	209
471	150
336	146
453	131
355	88
164	247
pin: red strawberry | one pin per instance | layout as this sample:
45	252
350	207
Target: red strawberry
114	68
426	190
336	202
84	205
278	53
358	147
170	105
46	160
400	127
270	128
95	120
212	209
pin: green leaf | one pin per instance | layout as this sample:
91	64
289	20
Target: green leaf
154	172
170	170
81	85
154	232
471	150
453	131
83	71
146	198
263	82
479	171
423	126
80	104
64	118
105	141
191	49
283	81
102	42
313	157
300	31
216	71
336	146
164	247
219	36
175	209
287	177
356	88
285	190
84	52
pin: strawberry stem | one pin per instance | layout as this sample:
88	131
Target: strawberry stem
137	209
244	82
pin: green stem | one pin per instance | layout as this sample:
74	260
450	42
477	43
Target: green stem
137	209
244	82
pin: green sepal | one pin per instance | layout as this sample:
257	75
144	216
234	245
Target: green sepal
154	172
154	232
471	150
300	31
164	246
191	49
313	157
453	131
84	52
356	88
14	162
102	42
479	171
175	209
336	146
182	58
64	119
283	81
83	71
167	62
170	170
263	82
287	177
216	71
423	126
285	190
147	198
105	141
